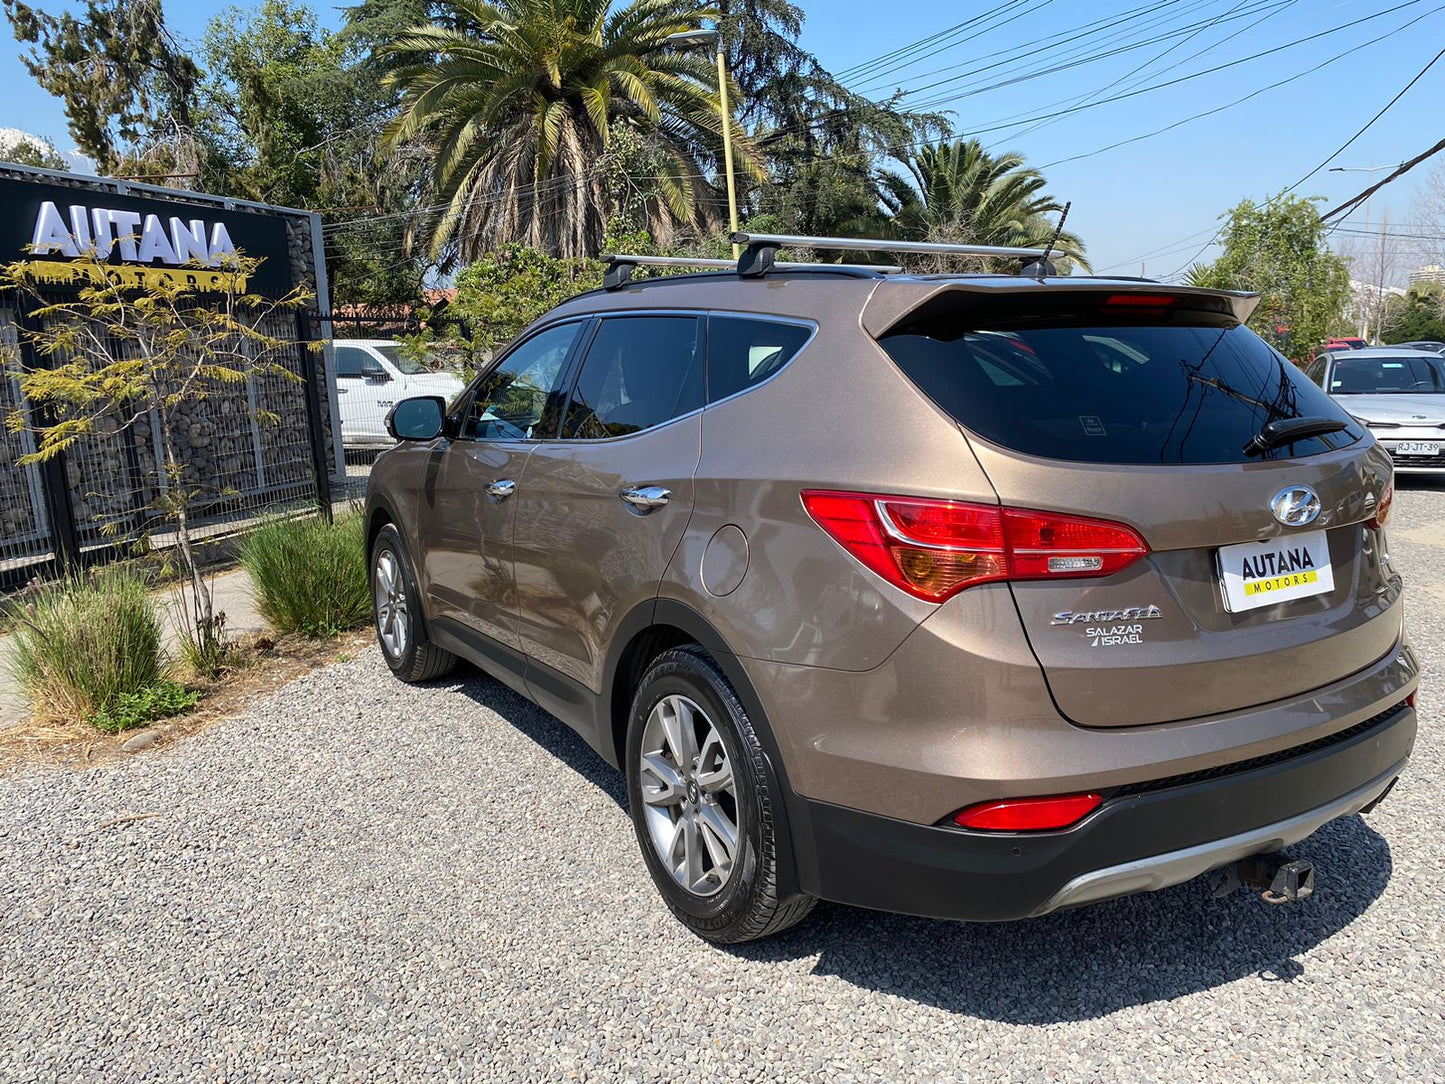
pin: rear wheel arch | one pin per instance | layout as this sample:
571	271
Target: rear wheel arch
661	625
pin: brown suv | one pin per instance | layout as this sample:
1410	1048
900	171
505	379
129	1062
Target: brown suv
963	596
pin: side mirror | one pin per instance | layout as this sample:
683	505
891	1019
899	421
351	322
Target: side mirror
375	374
420	418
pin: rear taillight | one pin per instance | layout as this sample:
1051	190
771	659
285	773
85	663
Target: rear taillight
1028	814
1382	506
933	549
1414	696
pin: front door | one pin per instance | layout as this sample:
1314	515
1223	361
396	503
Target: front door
469	499
602	509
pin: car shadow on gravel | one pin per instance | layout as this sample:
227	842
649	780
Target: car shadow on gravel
1074	965
1085	963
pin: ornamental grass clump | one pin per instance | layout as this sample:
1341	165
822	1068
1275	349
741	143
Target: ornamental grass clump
85	645
308	575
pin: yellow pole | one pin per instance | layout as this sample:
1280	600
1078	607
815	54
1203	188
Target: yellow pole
727	121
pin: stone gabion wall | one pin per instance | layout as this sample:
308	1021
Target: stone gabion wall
236	460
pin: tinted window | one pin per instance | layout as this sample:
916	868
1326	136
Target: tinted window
511	401
1060	388
1316	372
743	352
354	363
640	371
409	366
1385	376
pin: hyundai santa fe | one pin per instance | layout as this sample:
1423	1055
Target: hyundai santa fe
963	596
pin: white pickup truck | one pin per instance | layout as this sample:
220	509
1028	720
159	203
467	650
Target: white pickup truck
372	375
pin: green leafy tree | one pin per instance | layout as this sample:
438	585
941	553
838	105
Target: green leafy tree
30	150
118	354
961	193
1419	316
820	140
519	100
127	84
505	290
1277	249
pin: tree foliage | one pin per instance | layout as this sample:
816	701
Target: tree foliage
1277	249
30	150
127	353
1419	316
126	83
519	100
959	192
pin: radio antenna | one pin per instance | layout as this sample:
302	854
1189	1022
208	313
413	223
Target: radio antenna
1044	266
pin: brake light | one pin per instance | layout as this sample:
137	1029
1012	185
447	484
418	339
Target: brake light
1414	696
1382	506
933	548
1141	301
1028	814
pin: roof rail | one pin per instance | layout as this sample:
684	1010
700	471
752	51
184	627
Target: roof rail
620	265
762	249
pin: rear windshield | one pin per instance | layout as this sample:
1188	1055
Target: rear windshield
1387	376
1188	390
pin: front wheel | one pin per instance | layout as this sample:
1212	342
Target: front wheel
397	608
701	801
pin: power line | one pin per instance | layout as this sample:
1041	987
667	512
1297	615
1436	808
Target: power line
883	64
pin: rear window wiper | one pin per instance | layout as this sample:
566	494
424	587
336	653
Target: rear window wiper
1289	430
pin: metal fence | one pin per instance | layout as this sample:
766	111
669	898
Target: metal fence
109	495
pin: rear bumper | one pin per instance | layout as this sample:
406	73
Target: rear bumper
1143	838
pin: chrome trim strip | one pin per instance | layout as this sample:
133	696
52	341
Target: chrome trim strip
1176	867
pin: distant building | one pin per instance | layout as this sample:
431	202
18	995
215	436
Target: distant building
1432	274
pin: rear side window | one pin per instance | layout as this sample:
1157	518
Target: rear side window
640	371
1070	386
742	352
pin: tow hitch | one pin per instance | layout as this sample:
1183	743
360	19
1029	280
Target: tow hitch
1277	877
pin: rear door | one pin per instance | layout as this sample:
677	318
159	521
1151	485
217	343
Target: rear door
602	508
1141	416
469	498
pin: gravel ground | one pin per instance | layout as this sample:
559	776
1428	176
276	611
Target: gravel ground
361	881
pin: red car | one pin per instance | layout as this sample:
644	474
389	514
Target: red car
1350	343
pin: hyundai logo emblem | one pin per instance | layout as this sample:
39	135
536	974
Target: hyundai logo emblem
1296	506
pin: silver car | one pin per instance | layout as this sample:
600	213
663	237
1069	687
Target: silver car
1398	393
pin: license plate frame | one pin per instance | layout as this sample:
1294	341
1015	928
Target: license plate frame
1274	570
1417	447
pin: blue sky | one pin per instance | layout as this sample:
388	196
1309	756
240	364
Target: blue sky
1151	202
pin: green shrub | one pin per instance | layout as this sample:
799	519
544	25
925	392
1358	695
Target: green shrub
159	701
309	576
83	644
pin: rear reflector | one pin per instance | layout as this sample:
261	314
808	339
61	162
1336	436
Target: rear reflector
1410	700
933	549
1028	814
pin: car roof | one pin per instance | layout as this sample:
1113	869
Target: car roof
365	342
820	293
1385	352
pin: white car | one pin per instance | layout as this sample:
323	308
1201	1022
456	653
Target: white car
372	376
1398	393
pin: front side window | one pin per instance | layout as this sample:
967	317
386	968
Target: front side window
743	352
354	363
511	401
640	371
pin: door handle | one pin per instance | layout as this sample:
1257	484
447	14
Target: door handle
645	499
500	490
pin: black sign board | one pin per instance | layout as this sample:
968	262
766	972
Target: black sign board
138	235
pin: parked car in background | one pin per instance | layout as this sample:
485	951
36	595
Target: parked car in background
372	376
1347	343
1425	344
1091	598
1398	393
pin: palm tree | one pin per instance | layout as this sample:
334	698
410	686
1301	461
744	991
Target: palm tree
960	192
520	100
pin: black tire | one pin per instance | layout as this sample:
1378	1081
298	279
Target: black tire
413	657
747	906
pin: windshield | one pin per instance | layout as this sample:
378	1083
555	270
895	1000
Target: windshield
1402	375
1069	386
404	364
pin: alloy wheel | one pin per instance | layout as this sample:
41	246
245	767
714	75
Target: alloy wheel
690	796
393	623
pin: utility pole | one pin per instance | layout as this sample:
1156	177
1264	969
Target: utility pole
1372	325
714	37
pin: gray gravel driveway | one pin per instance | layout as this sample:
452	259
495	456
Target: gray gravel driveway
362	881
